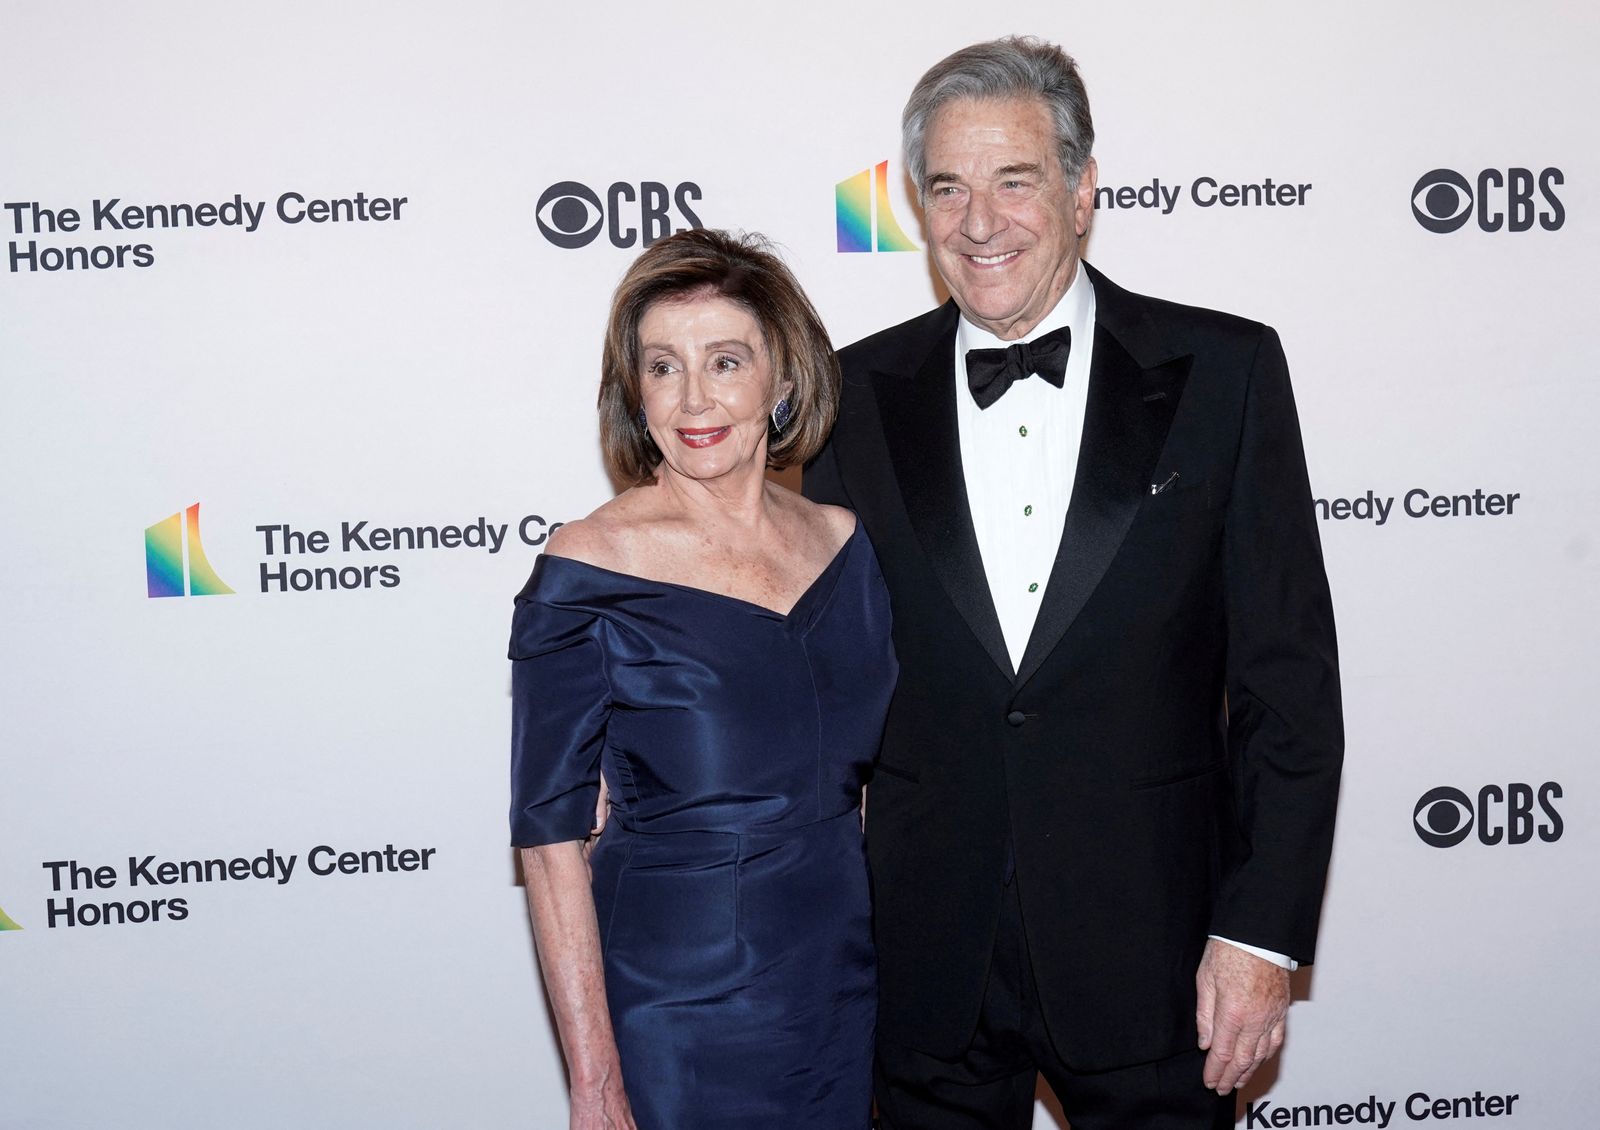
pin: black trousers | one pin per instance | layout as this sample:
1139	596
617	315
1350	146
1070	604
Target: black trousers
991	1087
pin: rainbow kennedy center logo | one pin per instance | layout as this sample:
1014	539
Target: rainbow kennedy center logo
6	922
174	560
176	563
865	220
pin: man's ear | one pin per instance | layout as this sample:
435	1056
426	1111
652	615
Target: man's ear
1083	202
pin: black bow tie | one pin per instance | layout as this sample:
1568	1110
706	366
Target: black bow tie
991	371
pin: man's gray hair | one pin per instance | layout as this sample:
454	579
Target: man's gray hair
1018	66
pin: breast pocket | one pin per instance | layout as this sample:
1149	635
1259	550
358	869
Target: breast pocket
1173	495
1176	530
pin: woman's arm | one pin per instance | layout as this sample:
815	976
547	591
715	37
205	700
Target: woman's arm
561	906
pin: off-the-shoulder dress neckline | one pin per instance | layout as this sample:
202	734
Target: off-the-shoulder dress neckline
838	557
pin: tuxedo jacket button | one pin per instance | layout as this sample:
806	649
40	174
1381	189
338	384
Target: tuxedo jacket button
1016	718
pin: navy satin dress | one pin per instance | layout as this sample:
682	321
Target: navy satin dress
730	882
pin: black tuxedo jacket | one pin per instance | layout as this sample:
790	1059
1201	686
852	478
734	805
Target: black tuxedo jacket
1165	764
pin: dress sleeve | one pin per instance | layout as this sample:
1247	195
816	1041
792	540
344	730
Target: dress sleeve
560	702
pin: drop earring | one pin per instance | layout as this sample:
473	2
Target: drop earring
781	415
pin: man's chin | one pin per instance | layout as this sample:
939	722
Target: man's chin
990	313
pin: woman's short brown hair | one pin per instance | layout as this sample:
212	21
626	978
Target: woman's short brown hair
743	269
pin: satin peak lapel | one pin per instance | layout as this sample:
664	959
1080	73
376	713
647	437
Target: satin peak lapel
1125	426
918	413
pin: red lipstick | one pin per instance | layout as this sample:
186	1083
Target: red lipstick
703	437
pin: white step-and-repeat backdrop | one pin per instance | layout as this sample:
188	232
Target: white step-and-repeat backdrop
300	320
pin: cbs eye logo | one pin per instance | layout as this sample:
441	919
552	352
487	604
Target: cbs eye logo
571	214
1443	200
1445	816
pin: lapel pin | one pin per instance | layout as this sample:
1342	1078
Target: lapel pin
1158	488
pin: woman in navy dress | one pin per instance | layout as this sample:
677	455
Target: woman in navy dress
715	650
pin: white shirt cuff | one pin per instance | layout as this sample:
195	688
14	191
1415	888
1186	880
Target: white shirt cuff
1280	960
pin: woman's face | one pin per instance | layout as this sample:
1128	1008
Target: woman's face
706	383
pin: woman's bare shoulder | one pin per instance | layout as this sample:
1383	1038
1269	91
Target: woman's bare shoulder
582	540
841	522
833	524
609	538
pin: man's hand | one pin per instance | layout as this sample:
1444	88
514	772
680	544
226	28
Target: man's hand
602	812
1243	1001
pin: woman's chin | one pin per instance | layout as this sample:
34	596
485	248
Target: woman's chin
710	463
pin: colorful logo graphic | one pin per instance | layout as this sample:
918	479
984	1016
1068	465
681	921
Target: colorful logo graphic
6	922
862	212
174	560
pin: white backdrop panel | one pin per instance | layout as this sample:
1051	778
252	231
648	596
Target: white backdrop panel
438	368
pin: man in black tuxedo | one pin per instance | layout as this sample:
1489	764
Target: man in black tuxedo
1100	824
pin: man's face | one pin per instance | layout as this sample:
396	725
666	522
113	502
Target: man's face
1004	224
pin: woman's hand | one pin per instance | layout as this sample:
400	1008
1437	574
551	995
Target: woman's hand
601	1106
